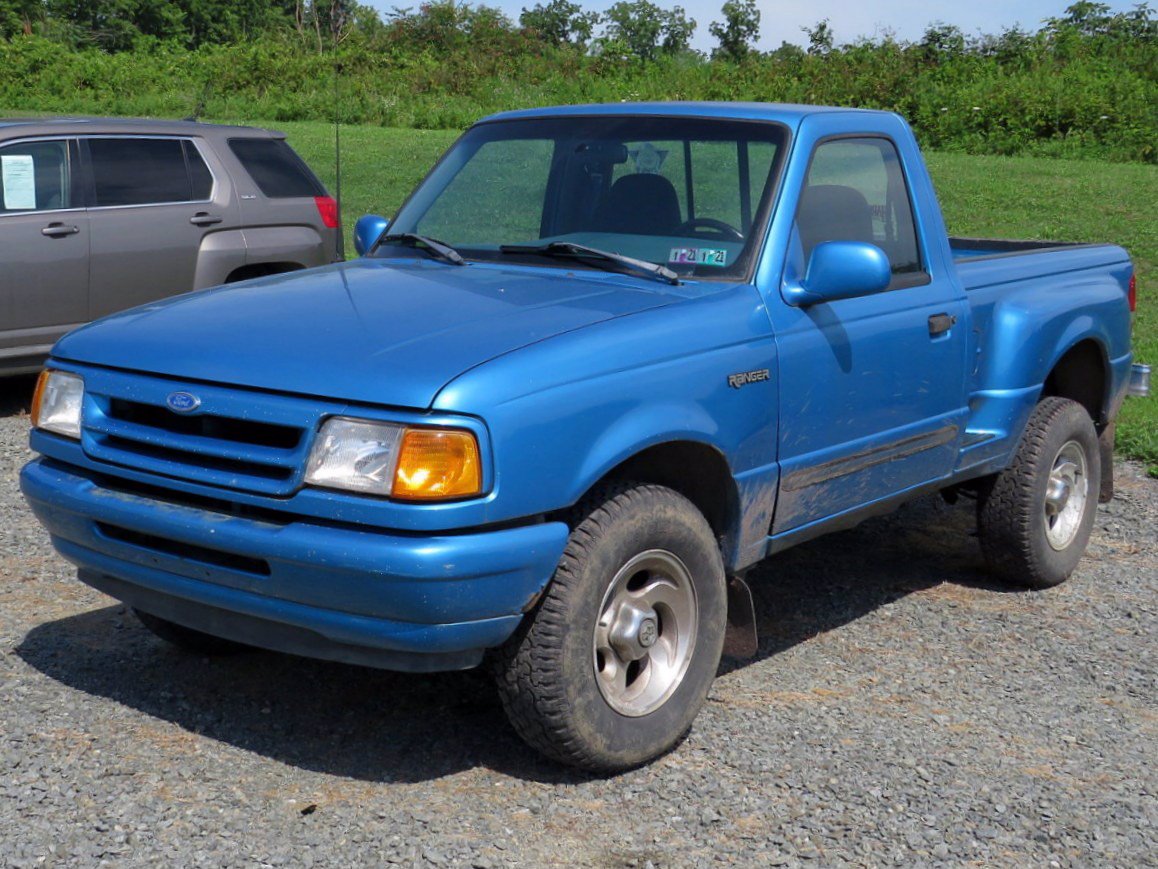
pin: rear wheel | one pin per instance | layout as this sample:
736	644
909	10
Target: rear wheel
1035	518
617	660
187	638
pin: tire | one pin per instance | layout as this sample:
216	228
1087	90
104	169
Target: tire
189	639
616	661
1035	517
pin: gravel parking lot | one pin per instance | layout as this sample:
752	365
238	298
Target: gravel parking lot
903	710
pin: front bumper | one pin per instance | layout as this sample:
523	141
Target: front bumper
340	592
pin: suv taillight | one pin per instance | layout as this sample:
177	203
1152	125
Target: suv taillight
1132	293
328	209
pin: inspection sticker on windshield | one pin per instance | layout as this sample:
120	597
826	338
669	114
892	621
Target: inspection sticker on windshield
697	256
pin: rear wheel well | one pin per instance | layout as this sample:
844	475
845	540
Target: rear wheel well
1081	375
695	470
261	270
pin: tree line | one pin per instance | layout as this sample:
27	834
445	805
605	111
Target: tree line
638	29
1084	83
637	26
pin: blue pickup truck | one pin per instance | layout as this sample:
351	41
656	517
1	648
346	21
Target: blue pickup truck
602	361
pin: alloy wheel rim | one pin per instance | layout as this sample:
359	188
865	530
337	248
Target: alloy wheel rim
646	633
1066	493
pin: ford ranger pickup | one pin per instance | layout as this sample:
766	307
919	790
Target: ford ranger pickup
600	363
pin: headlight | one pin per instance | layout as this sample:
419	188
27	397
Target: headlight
378	458
56	404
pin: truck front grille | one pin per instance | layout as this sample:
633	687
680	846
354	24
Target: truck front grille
218	427
236	439
202	460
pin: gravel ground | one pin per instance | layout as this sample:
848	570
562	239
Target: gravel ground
903	710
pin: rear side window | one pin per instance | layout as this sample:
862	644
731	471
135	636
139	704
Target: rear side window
140	171
34	176
278	172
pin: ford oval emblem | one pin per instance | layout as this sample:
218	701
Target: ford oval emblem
182	402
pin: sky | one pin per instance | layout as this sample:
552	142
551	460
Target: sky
782	21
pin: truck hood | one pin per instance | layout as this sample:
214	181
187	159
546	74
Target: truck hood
375	331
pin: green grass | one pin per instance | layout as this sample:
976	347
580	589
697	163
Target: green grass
1000	197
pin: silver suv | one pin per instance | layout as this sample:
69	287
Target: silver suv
98	215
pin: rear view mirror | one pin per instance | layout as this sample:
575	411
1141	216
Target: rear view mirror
614	153
367	231
841	270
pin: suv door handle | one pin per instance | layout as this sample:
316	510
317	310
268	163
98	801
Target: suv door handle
56	230
204	218
939	324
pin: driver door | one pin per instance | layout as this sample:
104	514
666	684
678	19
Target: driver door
872	388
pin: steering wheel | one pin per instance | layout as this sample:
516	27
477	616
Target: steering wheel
726	230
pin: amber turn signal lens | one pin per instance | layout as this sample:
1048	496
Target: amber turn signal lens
435	464
37	394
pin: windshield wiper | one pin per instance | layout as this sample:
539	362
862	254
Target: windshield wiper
439	249
569	249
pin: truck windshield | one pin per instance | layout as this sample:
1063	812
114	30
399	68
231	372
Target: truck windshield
688	194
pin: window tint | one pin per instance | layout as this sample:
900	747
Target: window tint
34	176
856	192
275	168
199	175
470	212
132	171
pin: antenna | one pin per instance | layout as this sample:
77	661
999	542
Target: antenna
337	16
202	99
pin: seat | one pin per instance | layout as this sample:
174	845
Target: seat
639	204
831	212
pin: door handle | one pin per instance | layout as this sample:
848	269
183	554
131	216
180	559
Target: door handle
204	218
56	230
939	324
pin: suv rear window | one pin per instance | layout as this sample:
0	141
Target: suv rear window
277	170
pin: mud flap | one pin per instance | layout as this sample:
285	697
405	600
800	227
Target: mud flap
740	640
1106	448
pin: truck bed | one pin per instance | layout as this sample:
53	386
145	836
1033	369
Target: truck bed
985	262
987	248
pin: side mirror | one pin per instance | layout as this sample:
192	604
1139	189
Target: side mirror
841	270
368	230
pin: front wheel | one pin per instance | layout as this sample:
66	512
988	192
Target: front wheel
618	658
1035	517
